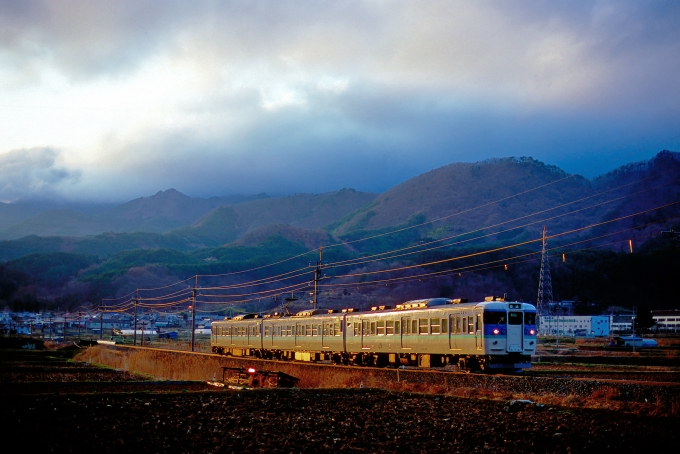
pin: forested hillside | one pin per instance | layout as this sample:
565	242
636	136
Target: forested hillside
464	230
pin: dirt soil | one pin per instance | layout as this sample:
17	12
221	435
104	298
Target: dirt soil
55	405
294	420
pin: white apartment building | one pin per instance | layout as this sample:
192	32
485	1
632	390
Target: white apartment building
574	325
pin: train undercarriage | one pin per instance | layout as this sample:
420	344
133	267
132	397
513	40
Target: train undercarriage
467	363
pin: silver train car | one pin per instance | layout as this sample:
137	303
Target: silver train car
483	336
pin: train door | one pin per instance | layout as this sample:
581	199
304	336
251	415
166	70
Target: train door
405	332
325	333
479	339
299	327
515	331
365	329
454	331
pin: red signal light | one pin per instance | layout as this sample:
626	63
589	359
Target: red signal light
251	370
532	332
496	331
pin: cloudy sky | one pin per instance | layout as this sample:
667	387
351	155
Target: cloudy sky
111	100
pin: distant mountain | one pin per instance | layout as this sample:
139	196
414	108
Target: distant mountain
57	223
162	212
312	239
122	228
495	202
469	195
308	211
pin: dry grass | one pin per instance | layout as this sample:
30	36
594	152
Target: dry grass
173	365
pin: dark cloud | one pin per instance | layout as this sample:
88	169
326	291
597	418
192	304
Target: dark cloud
317	95
33	173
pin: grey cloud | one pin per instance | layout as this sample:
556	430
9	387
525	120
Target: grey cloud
512	49
31	173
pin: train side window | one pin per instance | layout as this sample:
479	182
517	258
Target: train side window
397	327
463	327
373	330
445	326
278	330
424	326
338	328
357	329
414	326
389	327
435	327
471	325
315	330
380	327
478	322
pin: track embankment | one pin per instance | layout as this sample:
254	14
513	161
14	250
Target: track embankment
177	365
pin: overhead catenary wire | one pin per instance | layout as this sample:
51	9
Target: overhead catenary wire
356	261
381	256
301	271
501	248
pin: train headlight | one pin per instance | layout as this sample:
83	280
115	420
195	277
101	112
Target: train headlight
496	331
532	332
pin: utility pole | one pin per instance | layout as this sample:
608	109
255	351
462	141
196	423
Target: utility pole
134	333
317	277
193	312
101	320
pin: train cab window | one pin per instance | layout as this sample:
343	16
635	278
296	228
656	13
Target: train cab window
445	326
389	327
435	327
478	322
514	318
397	327
529	318
494	318
380	327
424	326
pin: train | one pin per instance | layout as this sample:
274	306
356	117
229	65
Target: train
489	335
